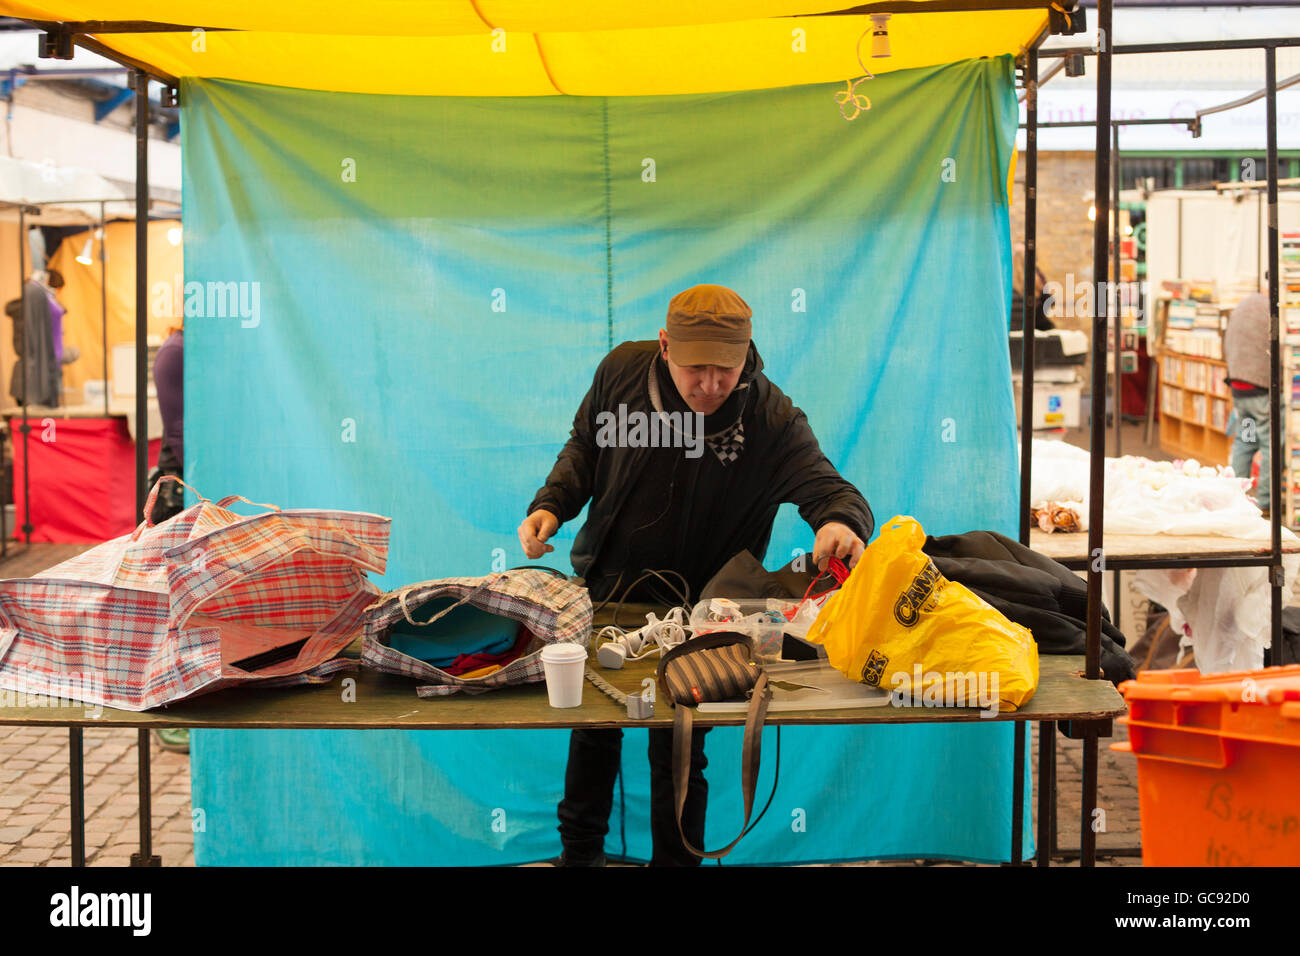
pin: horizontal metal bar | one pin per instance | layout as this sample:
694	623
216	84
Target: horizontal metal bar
101	27
1230	186
1173	121
1257	95
1120	851
1191	46
29	73
60	202
932	6
153	72
1164	562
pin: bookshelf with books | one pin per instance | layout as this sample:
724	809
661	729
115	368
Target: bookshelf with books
1195	401
1289	320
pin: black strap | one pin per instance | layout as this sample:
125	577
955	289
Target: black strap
683	723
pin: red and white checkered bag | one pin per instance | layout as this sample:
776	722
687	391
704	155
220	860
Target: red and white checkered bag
554	610
171	609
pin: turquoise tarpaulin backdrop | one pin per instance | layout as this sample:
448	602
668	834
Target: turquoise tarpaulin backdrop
422	288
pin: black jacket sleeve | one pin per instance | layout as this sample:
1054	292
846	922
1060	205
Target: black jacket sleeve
569	484
806	477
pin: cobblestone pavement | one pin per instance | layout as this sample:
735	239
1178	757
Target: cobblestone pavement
35	808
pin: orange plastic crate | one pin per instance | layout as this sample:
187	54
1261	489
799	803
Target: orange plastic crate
1218	766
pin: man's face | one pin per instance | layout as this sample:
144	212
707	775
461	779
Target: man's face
704	387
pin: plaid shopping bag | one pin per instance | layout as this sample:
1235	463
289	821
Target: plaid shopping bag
204	600
554	610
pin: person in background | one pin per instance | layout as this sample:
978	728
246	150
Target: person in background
1041	320
1245	350
37	376
63	354
169	381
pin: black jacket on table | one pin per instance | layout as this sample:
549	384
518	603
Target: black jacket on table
1032	590
658	505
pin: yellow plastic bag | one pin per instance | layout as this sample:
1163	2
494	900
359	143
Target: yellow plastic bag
900	625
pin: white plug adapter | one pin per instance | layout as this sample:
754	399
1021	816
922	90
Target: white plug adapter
611	656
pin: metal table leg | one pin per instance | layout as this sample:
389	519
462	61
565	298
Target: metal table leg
1088	836
1046	791
1018	796
146	856
77	796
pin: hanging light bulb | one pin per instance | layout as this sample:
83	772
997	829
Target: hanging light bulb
84	258
1092	213
174	235
880	34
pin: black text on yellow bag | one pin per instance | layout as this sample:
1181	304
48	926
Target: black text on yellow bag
714	667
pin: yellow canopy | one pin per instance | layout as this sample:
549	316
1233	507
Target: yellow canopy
520	48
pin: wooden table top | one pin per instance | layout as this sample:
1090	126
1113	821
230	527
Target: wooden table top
385	701
1074	546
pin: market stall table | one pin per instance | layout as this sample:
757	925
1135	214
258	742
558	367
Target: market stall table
384	701
74	472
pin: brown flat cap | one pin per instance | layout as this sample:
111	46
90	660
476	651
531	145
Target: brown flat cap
709	325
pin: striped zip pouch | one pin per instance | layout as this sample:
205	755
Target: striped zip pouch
714	667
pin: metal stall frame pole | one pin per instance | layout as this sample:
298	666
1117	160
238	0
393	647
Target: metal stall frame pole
1028	326
22	283
27	373
1097	446
1112	289
1276	573
145	857
103	294
76	750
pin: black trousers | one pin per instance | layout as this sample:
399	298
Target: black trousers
594	757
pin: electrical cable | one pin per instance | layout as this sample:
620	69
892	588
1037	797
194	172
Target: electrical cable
540	567
685	597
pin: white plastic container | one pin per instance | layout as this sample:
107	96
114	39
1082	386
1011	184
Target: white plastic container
565	666
763	620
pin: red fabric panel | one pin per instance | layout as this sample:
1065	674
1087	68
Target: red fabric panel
82	478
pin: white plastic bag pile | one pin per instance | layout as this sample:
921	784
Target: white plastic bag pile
1224	613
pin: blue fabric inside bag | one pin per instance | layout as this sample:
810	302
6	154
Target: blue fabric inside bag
466	630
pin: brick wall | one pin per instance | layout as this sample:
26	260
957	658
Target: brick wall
1065	234
1065	185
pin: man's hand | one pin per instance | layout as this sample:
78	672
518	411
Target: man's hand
537	527
835	538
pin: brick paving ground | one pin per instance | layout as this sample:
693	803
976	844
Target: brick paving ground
34	799
35	809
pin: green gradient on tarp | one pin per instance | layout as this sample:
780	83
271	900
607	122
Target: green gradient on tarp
437	279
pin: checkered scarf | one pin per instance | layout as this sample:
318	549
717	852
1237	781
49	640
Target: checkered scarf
726	444
553	609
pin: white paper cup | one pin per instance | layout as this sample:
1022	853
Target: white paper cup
565	665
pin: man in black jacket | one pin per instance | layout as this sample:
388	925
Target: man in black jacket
685	451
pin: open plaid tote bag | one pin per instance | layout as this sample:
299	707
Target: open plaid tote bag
554	610
206	599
